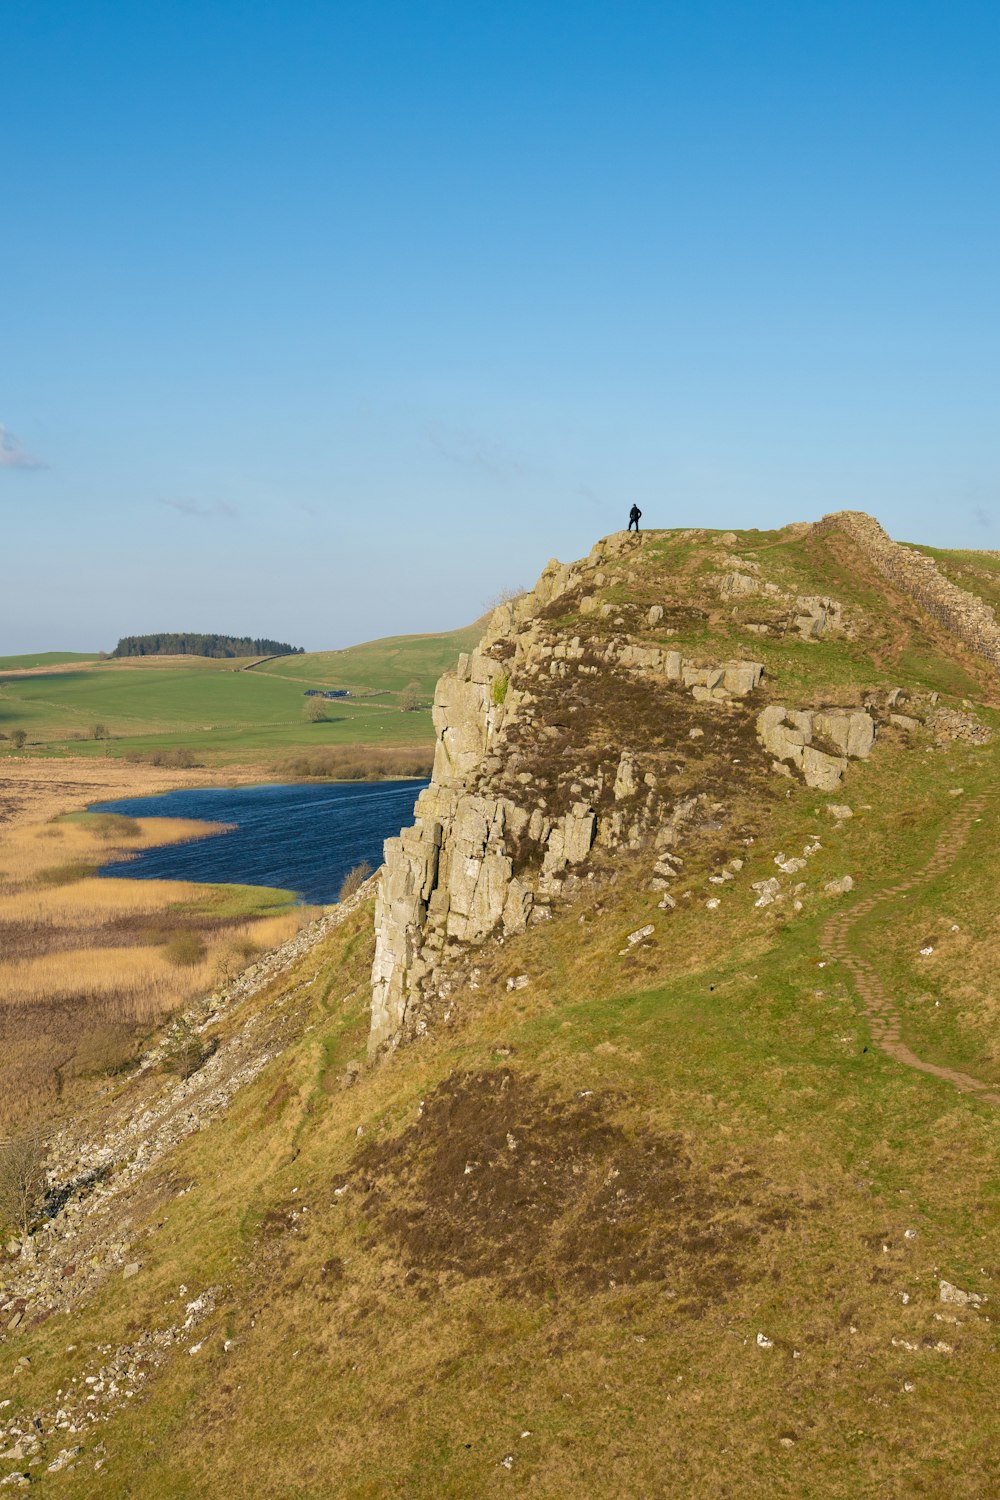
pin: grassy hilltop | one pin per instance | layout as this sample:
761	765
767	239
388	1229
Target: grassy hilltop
672	1217
226	709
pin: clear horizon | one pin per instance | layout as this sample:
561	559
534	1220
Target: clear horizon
330	322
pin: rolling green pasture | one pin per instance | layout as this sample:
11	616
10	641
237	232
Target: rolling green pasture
44	659
223	712
385	666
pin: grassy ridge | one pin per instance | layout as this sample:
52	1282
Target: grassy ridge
44	659
221	711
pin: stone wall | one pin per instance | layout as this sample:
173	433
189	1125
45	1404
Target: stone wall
964	615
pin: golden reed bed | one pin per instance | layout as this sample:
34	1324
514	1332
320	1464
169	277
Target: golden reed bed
90	967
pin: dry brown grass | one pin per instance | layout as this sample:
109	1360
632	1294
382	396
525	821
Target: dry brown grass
86	971
28	852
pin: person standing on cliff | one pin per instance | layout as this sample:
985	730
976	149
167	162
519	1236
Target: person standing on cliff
634	516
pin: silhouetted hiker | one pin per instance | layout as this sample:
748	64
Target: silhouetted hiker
633	518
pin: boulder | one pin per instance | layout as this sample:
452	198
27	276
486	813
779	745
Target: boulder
737	585
821	770
852	732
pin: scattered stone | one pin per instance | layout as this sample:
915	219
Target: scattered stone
839	887
638	936
767	891
819	617
763	1342
132	1269
954	1294
64	1458
518	982
903	721
840	811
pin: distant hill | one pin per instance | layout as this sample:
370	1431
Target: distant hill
186	643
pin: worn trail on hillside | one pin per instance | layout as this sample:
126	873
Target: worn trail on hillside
876	999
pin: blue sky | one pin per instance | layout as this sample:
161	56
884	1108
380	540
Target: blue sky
326	321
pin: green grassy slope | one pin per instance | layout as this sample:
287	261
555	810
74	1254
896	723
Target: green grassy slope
220	711
414	1330
385	665
666	1222
44	659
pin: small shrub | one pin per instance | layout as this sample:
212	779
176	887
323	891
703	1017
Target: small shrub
17	738
498	691
177	758
22	1180
113	826
409	698
185	949
247	949
357	763
315	711
100	732
186	1052
354	880
66	874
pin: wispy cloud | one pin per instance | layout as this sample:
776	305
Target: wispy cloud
12	455
473	450
196	508
983	516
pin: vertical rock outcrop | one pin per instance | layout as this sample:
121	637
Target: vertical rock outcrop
517	805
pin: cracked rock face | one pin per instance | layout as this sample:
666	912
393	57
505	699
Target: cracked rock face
546	747
789	734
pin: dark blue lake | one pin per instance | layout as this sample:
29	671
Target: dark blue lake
302	838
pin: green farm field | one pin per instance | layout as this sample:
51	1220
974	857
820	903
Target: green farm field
223	711
44	659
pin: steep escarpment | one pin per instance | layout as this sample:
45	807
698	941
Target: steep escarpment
577	734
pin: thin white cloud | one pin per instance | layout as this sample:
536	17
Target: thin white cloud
471	449
196	508
12	455
983	516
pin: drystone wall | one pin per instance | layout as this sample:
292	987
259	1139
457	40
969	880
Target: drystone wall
967	617
520	797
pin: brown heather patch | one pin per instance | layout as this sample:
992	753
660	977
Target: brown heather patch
502	1178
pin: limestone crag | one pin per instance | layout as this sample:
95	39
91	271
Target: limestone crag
549	750
816	742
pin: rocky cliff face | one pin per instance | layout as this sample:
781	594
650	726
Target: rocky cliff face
579	733
558	744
